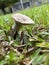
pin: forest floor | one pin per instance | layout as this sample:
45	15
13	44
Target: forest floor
33	49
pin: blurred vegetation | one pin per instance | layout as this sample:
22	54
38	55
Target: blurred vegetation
7	2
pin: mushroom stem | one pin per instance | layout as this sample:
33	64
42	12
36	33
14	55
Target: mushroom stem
15	29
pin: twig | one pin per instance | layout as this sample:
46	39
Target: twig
30	51
45	51
15	50
20	46
11	42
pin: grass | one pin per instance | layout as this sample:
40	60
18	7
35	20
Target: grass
41	16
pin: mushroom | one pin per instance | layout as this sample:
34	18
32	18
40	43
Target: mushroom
20	20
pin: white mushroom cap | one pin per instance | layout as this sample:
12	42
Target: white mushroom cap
23	19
